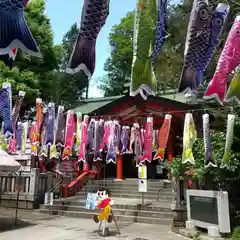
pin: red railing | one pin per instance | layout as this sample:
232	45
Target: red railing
77	184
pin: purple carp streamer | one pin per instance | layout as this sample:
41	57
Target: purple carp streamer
17	107
91	137
216	26
6	109
229	140
124	139
207	142
24	136
196	45
113	141
99	132
19	131
94	15
138	147
49	123
60	128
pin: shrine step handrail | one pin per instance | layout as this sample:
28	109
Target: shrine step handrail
85	176
79	182
57	185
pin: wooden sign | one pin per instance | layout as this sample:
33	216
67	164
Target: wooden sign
142	185
142	172
48	198
204	209
142	179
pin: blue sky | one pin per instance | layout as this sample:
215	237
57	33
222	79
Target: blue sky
64	13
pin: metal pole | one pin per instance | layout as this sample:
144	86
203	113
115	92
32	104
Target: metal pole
115	221
18	192
105	173
142	199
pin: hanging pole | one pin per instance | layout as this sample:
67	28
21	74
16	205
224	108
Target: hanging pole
87	89
115	221
18	192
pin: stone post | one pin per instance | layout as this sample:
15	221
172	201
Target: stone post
49	182
34	181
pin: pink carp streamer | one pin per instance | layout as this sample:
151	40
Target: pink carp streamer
17	107
104	142
228	61
163	135
84	140
69	135
148	138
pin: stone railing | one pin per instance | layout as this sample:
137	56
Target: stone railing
26	187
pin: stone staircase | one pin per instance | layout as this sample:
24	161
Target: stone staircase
129	206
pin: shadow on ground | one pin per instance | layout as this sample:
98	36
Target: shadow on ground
7	224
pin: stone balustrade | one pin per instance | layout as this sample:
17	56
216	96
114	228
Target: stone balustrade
28	187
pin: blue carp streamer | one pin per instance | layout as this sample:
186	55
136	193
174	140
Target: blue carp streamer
216	26
161	27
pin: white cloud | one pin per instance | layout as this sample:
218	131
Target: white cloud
94	91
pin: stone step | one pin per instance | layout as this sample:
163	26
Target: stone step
136	195
133	182
119	218
163	206
132	194
117	211
126	187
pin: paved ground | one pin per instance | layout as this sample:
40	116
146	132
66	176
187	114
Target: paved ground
42	227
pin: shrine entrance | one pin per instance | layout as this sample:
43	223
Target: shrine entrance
127	110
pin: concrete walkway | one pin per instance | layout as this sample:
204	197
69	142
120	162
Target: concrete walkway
42	227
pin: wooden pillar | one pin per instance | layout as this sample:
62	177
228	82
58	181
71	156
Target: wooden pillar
170	149
119	167
85	166
170	154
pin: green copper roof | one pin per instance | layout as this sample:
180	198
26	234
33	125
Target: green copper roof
92	104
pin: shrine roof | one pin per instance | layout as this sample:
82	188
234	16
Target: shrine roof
92	105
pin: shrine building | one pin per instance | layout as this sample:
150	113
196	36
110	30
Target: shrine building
128	110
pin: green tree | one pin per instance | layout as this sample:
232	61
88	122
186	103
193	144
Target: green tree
210	174
20	80
118	65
